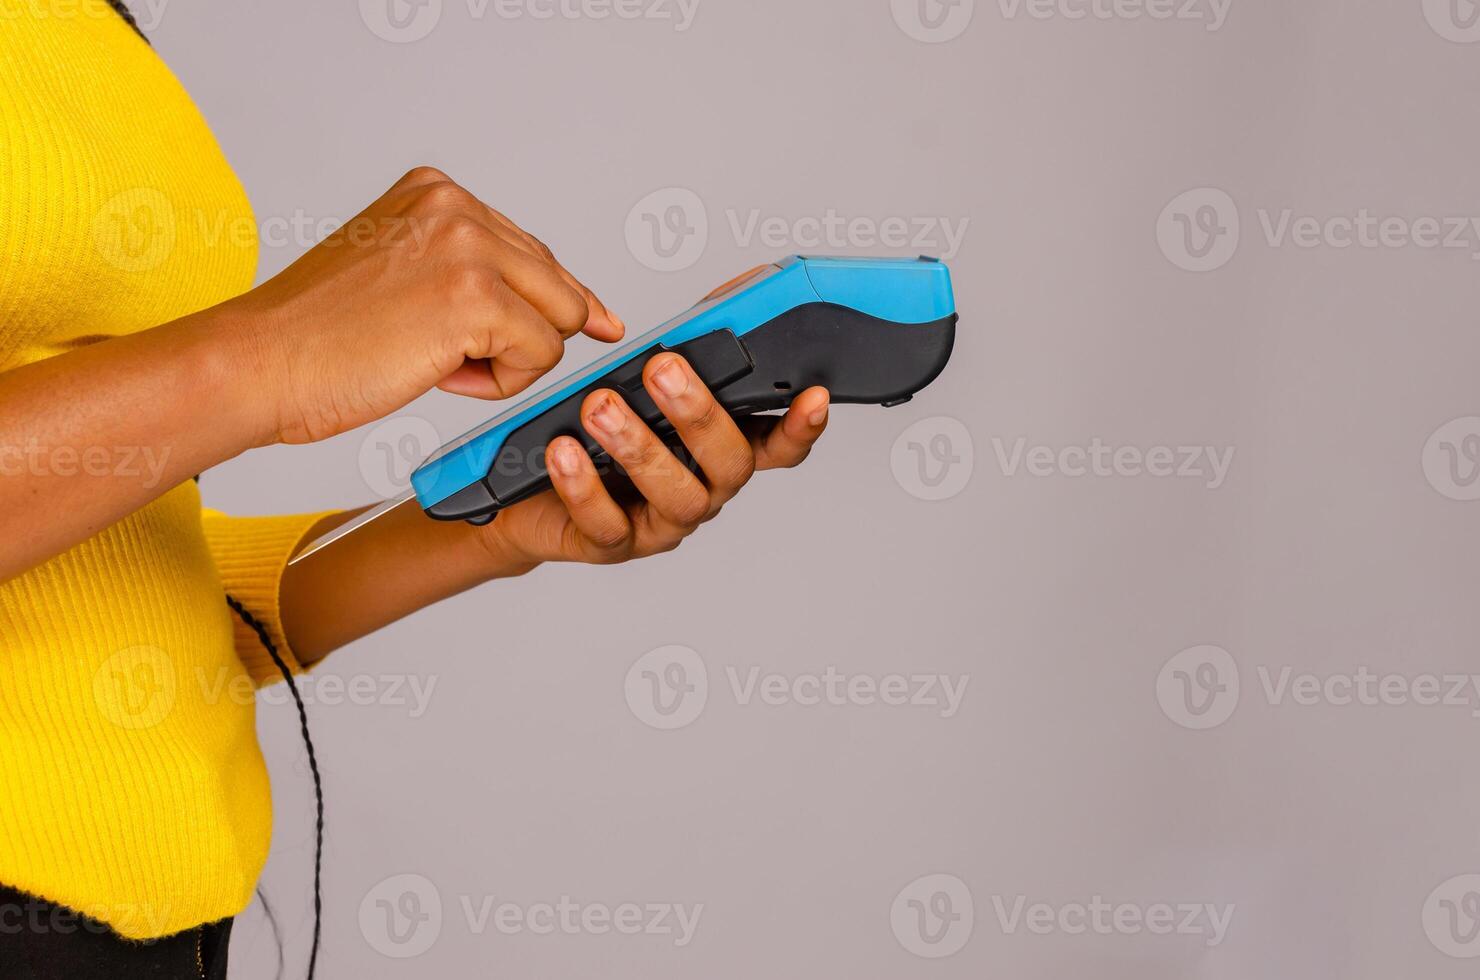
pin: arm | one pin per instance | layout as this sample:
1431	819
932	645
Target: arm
406	561
90	436
427	288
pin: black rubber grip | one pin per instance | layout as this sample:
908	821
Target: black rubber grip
860	359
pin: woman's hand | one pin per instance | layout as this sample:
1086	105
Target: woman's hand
428	287
404	562
581	521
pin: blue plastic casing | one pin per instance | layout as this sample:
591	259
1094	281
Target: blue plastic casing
896	290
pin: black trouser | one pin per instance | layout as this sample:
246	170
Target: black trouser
42	941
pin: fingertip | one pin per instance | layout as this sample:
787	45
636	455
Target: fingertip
565	457
813	405
607	329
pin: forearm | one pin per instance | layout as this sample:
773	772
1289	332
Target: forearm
383	572
90	436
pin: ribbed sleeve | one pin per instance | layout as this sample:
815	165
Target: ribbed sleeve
250	554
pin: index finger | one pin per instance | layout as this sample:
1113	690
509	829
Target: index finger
603	324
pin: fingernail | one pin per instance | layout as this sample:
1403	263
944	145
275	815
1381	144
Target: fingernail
671	379
818	417
568	458
608	417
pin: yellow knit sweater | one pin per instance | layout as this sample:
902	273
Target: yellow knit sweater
131	784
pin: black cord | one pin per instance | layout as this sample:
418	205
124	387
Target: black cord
313	765
124	12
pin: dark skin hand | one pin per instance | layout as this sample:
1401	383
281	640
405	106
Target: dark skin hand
405	561
427	288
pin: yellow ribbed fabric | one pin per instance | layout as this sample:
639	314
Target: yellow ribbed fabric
131	784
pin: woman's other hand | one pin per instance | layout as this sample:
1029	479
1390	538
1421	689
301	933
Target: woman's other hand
581	521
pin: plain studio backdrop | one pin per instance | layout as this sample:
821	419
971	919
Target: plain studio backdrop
1187	526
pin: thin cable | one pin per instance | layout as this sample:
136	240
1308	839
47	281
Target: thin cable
313	765
127	15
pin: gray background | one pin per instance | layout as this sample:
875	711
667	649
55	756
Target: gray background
1335	831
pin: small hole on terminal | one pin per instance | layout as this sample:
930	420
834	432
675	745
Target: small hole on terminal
783	386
